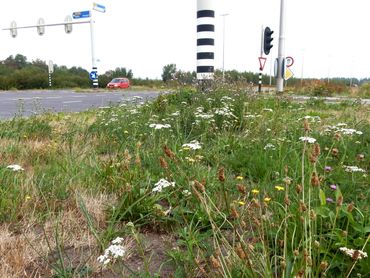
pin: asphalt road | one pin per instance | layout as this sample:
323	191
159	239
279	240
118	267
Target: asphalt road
27	103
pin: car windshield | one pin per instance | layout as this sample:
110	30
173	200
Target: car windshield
118	80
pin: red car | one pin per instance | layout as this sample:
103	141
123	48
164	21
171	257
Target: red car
119	83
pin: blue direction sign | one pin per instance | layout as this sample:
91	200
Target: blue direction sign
83	14
93	75
99	8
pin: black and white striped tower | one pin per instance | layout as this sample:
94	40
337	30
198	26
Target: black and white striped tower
205	39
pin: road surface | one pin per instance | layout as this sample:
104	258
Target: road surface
27	103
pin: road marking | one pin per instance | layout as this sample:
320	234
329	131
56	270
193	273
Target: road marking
78	96
71	101
53	97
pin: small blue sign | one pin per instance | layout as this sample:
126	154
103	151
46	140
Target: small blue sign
83	14
99	8
93	75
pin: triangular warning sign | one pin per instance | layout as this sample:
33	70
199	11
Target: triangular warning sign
262	61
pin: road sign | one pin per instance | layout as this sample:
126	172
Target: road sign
289	61
68	25
79	15
51	66
40	26
99	8
93	75
262	61
13	29
288	74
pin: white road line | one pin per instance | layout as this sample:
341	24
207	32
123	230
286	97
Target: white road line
71	101
78	96
53	97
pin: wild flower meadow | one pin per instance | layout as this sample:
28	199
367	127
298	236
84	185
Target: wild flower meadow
238	185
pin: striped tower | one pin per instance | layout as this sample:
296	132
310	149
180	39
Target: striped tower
205	39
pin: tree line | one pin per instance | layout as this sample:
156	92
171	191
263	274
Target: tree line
17	73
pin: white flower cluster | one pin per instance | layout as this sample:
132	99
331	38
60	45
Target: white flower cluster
194	145
250	116
351	253
162	183
15	168
226	98
159	126
345	131
352	169
307	139
114	251
224	111
199	114
311	118
269	146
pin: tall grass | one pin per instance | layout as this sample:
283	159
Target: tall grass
248	194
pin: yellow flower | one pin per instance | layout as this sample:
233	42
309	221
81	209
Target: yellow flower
125	132
267	199
239	178
189	159
241	203
255	191
198	157
279	188
27	197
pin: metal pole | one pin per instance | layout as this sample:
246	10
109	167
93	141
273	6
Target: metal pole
94	66
281	50
270	72
261	55
49	79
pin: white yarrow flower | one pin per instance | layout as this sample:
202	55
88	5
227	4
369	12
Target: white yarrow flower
114	251
15	167
307	139
159	126
162	183
269	146
352	169
353	253
117	240
194	145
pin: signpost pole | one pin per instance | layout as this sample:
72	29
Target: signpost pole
281	50
94	66
261	68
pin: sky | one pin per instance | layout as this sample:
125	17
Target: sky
326	38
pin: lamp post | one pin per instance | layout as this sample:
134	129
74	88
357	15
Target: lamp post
281	49
223	45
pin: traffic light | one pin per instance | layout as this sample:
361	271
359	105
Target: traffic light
267	39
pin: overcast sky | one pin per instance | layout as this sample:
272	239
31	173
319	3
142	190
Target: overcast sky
325	37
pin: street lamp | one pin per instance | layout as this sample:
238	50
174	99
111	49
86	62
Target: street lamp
223	46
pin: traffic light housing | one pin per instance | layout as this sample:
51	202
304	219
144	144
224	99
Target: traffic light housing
267	39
